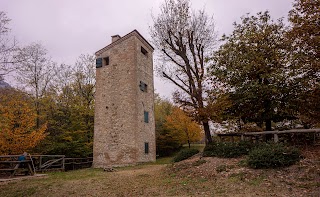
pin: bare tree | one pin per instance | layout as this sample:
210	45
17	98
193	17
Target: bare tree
8	46
35	72
84	74
84	87
185	38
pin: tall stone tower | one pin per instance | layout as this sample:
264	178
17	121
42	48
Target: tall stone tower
124	125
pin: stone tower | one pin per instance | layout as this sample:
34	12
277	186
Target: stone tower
124	126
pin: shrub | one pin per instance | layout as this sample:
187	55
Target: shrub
167	143
185	154
227	149
70	149
271	155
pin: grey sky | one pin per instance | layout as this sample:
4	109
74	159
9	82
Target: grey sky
68	28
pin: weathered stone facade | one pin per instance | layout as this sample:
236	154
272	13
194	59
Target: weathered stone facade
124	127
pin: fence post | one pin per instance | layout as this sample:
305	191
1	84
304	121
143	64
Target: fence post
275	138
63	163
40	163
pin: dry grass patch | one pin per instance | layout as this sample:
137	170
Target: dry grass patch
193	177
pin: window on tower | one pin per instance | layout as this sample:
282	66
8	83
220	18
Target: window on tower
146	117
146	148
144	51
98	62
106	61
143	86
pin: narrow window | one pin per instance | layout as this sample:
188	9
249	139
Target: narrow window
98	62
146	117
145	52
106	61
146	148
143	86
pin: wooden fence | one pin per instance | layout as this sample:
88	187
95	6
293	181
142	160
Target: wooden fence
43	163
276	134
48	162
77	163
10	164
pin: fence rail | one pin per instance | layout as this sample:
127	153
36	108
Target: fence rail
43	163
275	134
78	163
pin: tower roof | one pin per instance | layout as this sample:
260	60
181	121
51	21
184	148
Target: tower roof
133	33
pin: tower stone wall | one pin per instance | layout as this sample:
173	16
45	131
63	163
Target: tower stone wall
124	126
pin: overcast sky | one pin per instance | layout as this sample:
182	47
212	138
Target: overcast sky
68	28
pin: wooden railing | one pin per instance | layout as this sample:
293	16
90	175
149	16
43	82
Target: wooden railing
275	134
41	163
48	162
78	163
10	164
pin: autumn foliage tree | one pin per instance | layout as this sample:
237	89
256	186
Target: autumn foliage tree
167	142
187	130
18	131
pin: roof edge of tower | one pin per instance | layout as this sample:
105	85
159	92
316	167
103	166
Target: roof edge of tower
134	32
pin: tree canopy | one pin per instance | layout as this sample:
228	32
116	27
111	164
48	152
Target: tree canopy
18	131
187	130
304	36
253	65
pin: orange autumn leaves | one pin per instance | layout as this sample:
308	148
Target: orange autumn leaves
183	126
18	132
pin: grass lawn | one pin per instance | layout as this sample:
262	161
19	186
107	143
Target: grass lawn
142	180
193	177
168	160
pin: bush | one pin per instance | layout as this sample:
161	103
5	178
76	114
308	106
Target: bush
69	149
167	144
227	149
185	154
272	156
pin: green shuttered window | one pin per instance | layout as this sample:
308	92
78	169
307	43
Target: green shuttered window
146	116
146	148
98	62
143	86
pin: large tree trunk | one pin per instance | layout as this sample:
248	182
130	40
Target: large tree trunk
208	138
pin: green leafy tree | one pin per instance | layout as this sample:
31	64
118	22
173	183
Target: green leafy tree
70	110
304	35
253	65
